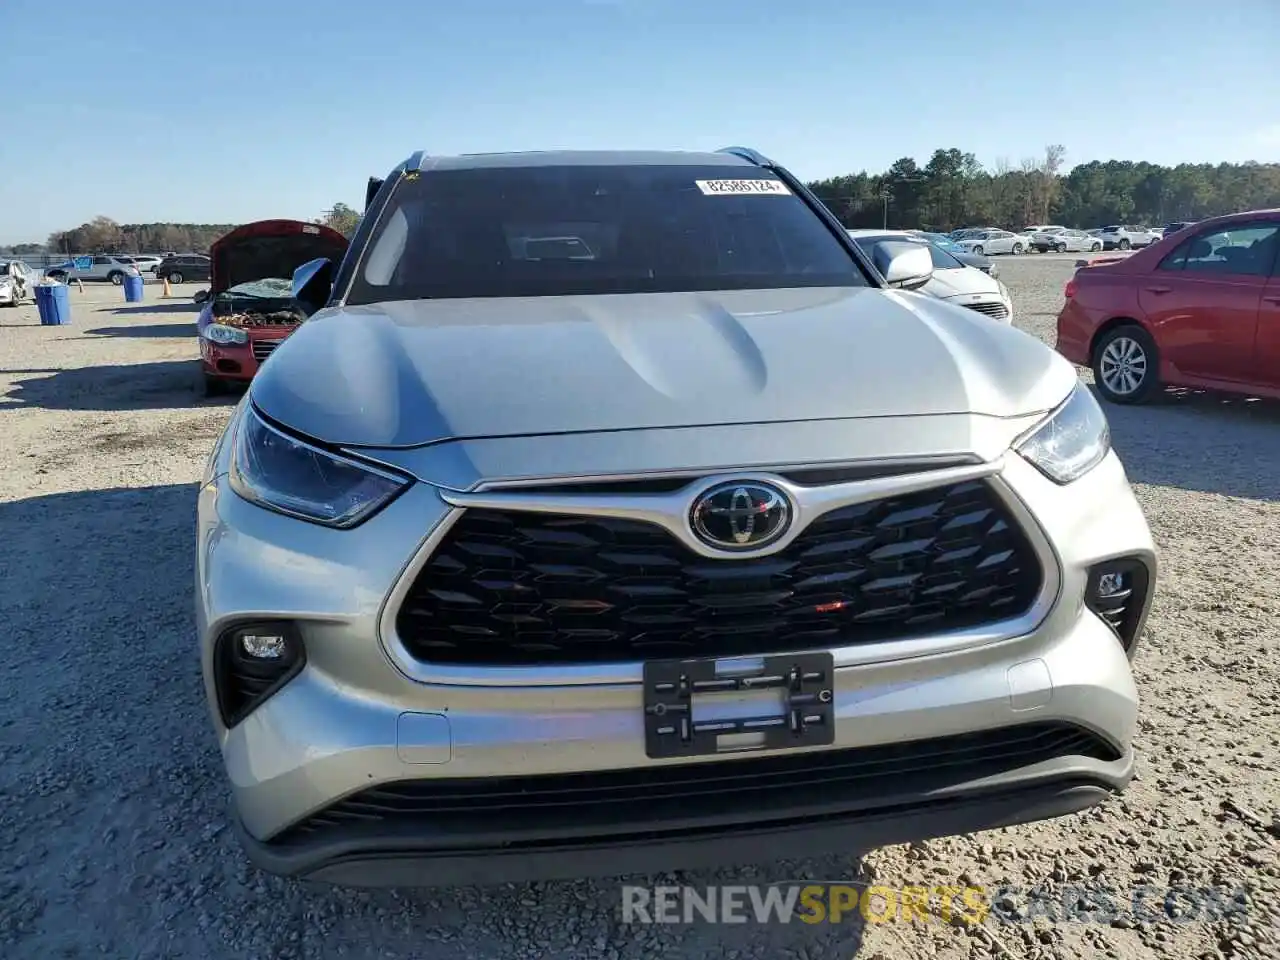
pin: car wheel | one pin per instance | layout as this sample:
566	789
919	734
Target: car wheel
116	277
175	277
1017	249
214	387
1126	366
1060	248
977	251
1095	247
1123	244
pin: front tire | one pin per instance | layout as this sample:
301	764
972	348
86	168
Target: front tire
978	251
1126	365
1017	249
1095	247
175	277
1060	248
116	277
1123	244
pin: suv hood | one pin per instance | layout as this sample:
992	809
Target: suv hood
269	249
409	373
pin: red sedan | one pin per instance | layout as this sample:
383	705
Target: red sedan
1200	309
249	309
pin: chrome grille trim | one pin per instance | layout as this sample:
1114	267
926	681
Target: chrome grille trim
631	673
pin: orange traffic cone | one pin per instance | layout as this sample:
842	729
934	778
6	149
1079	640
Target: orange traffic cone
166	292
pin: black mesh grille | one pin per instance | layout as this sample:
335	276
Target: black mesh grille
995	310
264	348
508	587
775	783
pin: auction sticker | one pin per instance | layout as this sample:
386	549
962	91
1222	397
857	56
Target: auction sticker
743	188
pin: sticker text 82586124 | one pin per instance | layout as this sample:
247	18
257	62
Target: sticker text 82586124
756	188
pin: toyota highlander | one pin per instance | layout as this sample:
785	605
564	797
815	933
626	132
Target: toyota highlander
612	512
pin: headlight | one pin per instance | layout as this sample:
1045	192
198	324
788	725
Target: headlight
1072	441
283	474
220	333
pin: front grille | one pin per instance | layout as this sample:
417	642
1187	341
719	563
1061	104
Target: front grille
994	309
262	349
776	783
515	588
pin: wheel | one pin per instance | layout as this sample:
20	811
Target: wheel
1095	247
214	387
1017	249
977	251
116	277
1060	248
1126	365
175	276
1123	244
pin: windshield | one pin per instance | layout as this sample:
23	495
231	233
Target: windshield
575	230
272	288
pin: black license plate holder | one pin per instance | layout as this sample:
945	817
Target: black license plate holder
805	680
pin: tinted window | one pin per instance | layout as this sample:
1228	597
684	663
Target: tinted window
1240	250
556	231
101	260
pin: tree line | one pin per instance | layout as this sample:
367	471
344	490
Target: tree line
954	190
951	190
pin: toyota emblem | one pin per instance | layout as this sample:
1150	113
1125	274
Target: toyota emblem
740	515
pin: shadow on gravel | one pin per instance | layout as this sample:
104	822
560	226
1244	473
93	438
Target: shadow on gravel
116	817
180	329
1211	443
164	306
165	384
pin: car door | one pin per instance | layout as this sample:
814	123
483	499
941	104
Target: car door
98	270
1267	338
1203	300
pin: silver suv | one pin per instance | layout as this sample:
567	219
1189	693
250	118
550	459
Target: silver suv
611	512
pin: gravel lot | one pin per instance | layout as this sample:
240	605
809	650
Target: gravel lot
112	826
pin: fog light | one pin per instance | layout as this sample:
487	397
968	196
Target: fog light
1117	592
251	662
263	646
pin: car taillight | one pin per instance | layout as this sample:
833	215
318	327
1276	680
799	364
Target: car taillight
1070	290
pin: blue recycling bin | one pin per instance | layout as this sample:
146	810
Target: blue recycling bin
53	300
133	289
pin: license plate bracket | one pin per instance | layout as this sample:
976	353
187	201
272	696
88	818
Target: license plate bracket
805	680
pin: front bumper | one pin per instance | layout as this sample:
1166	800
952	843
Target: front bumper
359	717
238	362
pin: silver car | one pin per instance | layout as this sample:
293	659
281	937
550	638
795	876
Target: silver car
611	513
952	281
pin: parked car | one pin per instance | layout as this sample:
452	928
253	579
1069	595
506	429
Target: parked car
491	531
1065	239
975	260
952	280
17	283
1117	237
249	309
992	241
110	267
1175	226
184	268
146	263
1198	309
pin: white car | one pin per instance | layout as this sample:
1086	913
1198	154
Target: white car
111	267
952	281
988	242
1125	237
146	263
1064	240
17	283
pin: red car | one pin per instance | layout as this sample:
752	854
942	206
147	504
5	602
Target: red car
249	307
1200	309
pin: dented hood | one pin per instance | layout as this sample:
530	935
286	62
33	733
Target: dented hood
410	373
269	249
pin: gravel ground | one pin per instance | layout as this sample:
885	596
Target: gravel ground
112	821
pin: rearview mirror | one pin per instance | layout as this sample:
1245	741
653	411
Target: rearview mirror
904	264
312	284
201	296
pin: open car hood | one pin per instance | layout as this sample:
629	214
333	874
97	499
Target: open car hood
269	248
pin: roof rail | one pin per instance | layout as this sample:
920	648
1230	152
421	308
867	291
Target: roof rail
746	153
415	160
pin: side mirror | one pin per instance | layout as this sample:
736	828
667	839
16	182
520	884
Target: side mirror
904	264
312	284
201	296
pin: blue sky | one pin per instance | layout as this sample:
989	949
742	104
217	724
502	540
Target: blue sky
229	111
